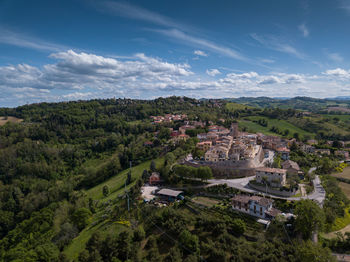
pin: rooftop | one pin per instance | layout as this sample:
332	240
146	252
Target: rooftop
169	192
271	170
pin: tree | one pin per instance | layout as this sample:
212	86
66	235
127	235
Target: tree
296	136
153	166
189	242
204	173
80	217
139	233
309	251
277	162
105	190
124	245
145	175
238	227
309	218
128	179
174	255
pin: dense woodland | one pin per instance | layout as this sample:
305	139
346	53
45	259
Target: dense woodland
61	150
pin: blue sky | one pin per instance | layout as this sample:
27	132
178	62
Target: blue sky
82	49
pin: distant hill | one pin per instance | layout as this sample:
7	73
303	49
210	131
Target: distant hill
300	103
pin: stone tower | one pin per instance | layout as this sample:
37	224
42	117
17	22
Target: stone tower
234	130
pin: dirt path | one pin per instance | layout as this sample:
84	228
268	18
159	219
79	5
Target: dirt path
333	234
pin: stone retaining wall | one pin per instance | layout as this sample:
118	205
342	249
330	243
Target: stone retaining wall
272	191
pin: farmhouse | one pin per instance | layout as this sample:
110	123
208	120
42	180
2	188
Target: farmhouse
154	178
254	205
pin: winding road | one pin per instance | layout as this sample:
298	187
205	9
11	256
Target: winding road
242	184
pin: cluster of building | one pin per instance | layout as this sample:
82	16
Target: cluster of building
223	144
180	134
168	118
310	148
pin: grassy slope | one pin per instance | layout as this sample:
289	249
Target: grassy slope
116	186
235	106
280	124
116	183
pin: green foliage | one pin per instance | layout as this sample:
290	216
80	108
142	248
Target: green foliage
80	217
309	218
189	242
105	190
203	173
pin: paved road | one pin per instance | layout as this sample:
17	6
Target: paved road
318	195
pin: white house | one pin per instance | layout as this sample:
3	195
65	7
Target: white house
255	206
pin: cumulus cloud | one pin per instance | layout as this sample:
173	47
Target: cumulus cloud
304	30
76	76
338	72
213	72
200	53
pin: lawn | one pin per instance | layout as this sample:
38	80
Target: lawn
116	183
345	174
280	124
341	222
205	201
345	187
78	244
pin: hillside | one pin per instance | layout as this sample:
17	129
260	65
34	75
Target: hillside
300	103
63	171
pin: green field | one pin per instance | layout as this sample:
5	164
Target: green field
116	187
234	106
282	125
116	183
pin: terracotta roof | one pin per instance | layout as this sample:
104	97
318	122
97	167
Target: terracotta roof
271	170
290	164
273	212
283	149
241	198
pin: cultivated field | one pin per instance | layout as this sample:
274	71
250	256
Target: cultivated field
205	201
345	187
4	120
345	174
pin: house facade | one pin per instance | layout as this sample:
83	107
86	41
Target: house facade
276	177
255	206
292	167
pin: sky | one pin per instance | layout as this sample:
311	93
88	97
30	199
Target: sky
61	50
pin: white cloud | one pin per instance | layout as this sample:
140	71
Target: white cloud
335	57
84	76
196	41
213	72
277	44
338	72
127	10
304	30
170	28
200	53
21	40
